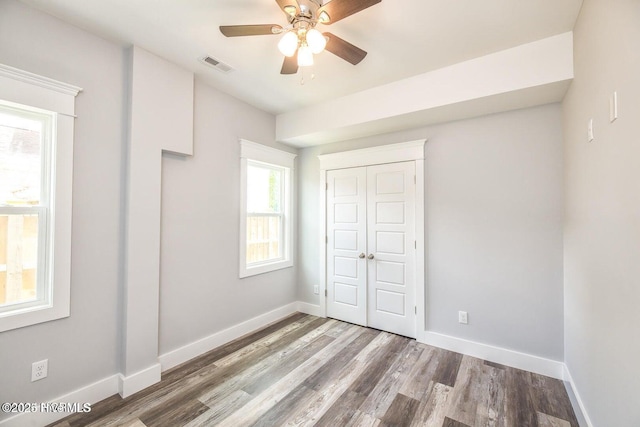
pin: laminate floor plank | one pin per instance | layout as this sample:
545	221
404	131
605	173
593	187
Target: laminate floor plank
491	410
550	398
433	409
448	367
168	416
448	422
360	419
226	406
380	398
401	412
339	329
422	373
342	410
521	410
467	392
545	420
308	371
280	412
379	365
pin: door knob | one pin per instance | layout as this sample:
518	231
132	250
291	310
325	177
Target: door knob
361	255
370	256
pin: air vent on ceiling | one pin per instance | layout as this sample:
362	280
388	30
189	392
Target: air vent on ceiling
218	65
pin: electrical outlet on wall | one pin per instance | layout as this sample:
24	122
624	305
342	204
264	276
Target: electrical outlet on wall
316	289
39	370
463	317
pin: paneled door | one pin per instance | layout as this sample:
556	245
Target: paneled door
371	246
391	250
347	243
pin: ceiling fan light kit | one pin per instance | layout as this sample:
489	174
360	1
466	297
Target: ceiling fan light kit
301	40
288	44
316	41
305	56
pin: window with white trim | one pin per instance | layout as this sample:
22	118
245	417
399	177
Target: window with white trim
266	209
36	159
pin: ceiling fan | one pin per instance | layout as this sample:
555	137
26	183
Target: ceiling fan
300	38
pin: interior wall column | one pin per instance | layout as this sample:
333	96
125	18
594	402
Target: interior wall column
160	118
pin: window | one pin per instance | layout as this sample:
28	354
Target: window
25	146
266	206
265	215
36	155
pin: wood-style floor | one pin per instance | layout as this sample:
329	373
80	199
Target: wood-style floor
309	371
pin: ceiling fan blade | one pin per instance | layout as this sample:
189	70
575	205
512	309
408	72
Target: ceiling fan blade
250	30
289	7
344	49
336	10
290	64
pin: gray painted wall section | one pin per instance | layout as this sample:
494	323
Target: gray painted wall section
493	227
602	214
84	347
200	292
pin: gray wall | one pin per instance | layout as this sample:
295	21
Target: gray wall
82	348
602	214
200	292
493	231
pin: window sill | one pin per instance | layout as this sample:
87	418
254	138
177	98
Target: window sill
33	315
264	268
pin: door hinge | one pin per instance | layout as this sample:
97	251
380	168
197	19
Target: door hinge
325	293
415	180
326	186
415	244
326	239
415	309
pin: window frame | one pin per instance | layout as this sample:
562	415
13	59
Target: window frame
252	153
33	93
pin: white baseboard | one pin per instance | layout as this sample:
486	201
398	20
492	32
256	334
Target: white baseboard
139	381
314	310
92	394
576	400
503	356
194	349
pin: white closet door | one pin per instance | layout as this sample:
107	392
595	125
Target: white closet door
346	244
391	240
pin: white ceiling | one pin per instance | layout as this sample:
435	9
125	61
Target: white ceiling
403	38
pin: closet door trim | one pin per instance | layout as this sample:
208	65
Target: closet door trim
391	153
